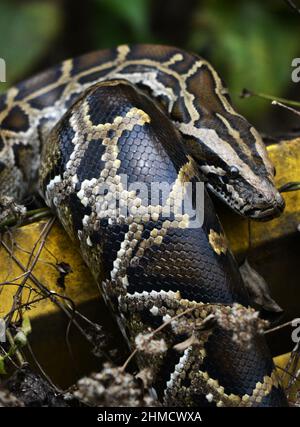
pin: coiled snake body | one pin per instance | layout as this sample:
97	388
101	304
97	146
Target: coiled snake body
150	114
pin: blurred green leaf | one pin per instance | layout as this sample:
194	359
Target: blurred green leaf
121	21
134	12
28	28
2	366
252	43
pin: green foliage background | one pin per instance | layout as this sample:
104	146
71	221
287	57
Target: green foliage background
250	42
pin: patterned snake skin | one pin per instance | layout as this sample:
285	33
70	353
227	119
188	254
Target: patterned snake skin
150	114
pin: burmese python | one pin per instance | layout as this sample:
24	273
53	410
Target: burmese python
144	113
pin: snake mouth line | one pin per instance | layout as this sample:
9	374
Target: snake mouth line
260	214
265	214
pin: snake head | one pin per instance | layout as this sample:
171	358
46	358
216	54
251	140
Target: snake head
238	168
230	152
263	202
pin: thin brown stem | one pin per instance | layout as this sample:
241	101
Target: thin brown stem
45	232
161	327
276	328
13	345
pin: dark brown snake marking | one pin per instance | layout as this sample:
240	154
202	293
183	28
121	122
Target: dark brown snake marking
96	124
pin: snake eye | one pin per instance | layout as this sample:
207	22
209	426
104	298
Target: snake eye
234	172
274	171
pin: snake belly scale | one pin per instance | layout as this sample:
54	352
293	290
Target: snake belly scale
91	128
